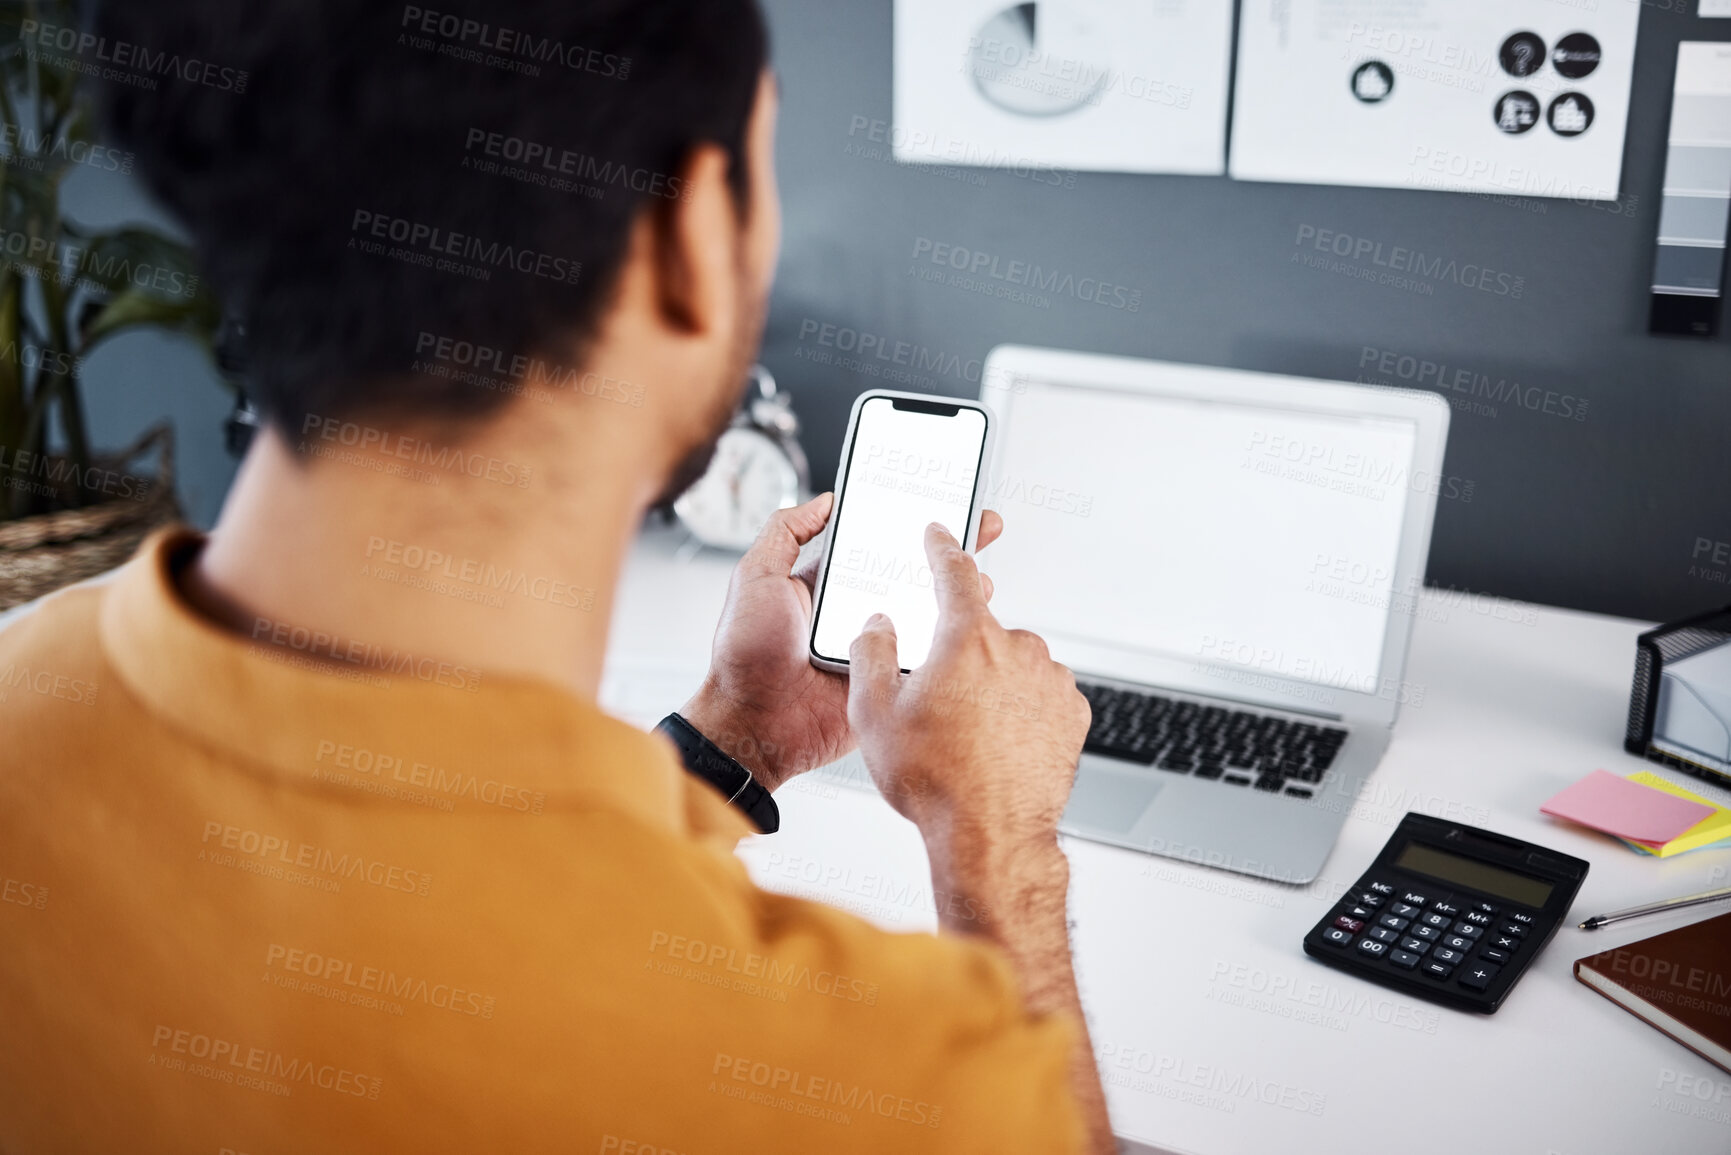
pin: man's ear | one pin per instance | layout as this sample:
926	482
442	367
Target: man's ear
696	238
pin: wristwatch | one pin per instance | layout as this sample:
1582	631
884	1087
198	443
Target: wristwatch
705	759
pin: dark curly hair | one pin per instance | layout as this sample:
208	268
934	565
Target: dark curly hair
360	177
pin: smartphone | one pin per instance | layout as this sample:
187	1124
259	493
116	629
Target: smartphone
909	460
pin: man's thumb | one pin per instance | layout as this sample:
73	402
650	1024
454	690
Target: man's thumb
779	541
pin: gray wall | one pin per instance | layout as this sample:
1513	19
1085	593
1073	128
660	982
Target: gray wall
1601	514
142	378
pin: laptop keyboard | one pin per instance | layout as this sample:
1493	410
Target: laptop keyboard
1214	742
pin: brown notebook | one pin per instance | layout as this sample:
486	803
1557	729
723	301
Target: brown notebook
1679	982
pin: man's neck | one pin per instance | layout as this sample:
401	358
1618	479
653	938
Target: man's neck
496	552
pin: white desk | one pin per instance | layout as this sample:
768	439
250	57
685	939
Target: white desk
1215	1033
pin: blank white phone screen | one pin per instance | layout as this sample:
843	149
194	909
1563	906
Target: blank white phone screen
906	469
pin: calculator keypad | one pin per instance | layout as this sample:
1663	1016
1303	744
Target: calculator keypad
1448	939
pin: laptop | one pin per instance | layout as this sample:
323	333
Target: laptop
1229	562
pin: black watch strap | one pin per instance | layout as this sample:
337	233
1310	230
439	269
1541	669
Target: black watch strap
705	759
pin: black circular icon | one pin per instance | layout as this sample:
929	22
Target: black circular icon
1576	55
1570	114
1373	82
1523	54
1517	111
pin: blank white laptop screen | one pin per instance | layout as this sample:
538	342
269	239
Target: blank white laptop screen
1215	531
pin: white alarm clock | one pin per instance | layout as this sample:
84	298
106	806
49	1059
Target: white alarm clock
758	468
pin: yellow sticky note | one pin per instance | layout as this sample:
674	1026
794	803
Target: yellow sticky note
1713	828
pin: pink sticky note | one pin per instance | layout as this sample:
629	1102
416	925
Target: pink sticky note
1626	809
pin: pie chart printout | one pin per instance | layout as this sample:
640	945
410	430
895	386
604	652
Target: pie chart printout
1044	89
1039	59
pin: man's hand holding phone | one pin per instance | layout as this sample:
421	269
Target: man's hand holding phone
763	702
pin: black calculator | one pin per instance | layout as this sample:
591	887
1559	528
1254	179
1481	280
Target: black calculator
1449	913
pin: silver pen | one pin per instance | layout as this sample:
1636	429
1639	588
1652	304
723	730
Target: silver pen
1599	920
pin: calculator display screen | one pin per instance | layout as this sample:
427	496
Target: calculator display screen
1474	875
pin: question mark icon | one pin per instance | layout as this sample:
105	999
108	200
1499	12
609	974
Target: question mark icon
1522	54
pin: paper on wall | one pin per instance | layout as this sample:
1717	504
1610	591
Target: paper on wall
1527	97
1108	85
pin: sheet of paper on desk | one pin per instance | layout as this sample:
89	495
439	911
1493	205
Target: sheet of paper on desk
643	692
1528	97
1626	809
1106	85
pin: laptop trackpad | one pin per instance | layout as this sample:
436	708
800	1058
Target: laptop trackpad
1110	801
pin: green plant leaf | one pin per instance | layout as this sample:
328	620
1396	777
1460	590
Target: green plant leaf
137	259
133	307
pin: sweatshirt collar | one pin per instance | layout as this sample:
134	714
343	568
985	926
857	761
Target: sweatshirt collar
384	723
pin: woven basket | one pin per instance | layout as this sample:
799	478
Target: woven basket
41	553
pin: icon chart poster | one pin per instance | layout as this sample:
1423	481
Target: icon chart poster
1521	97
1103	85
